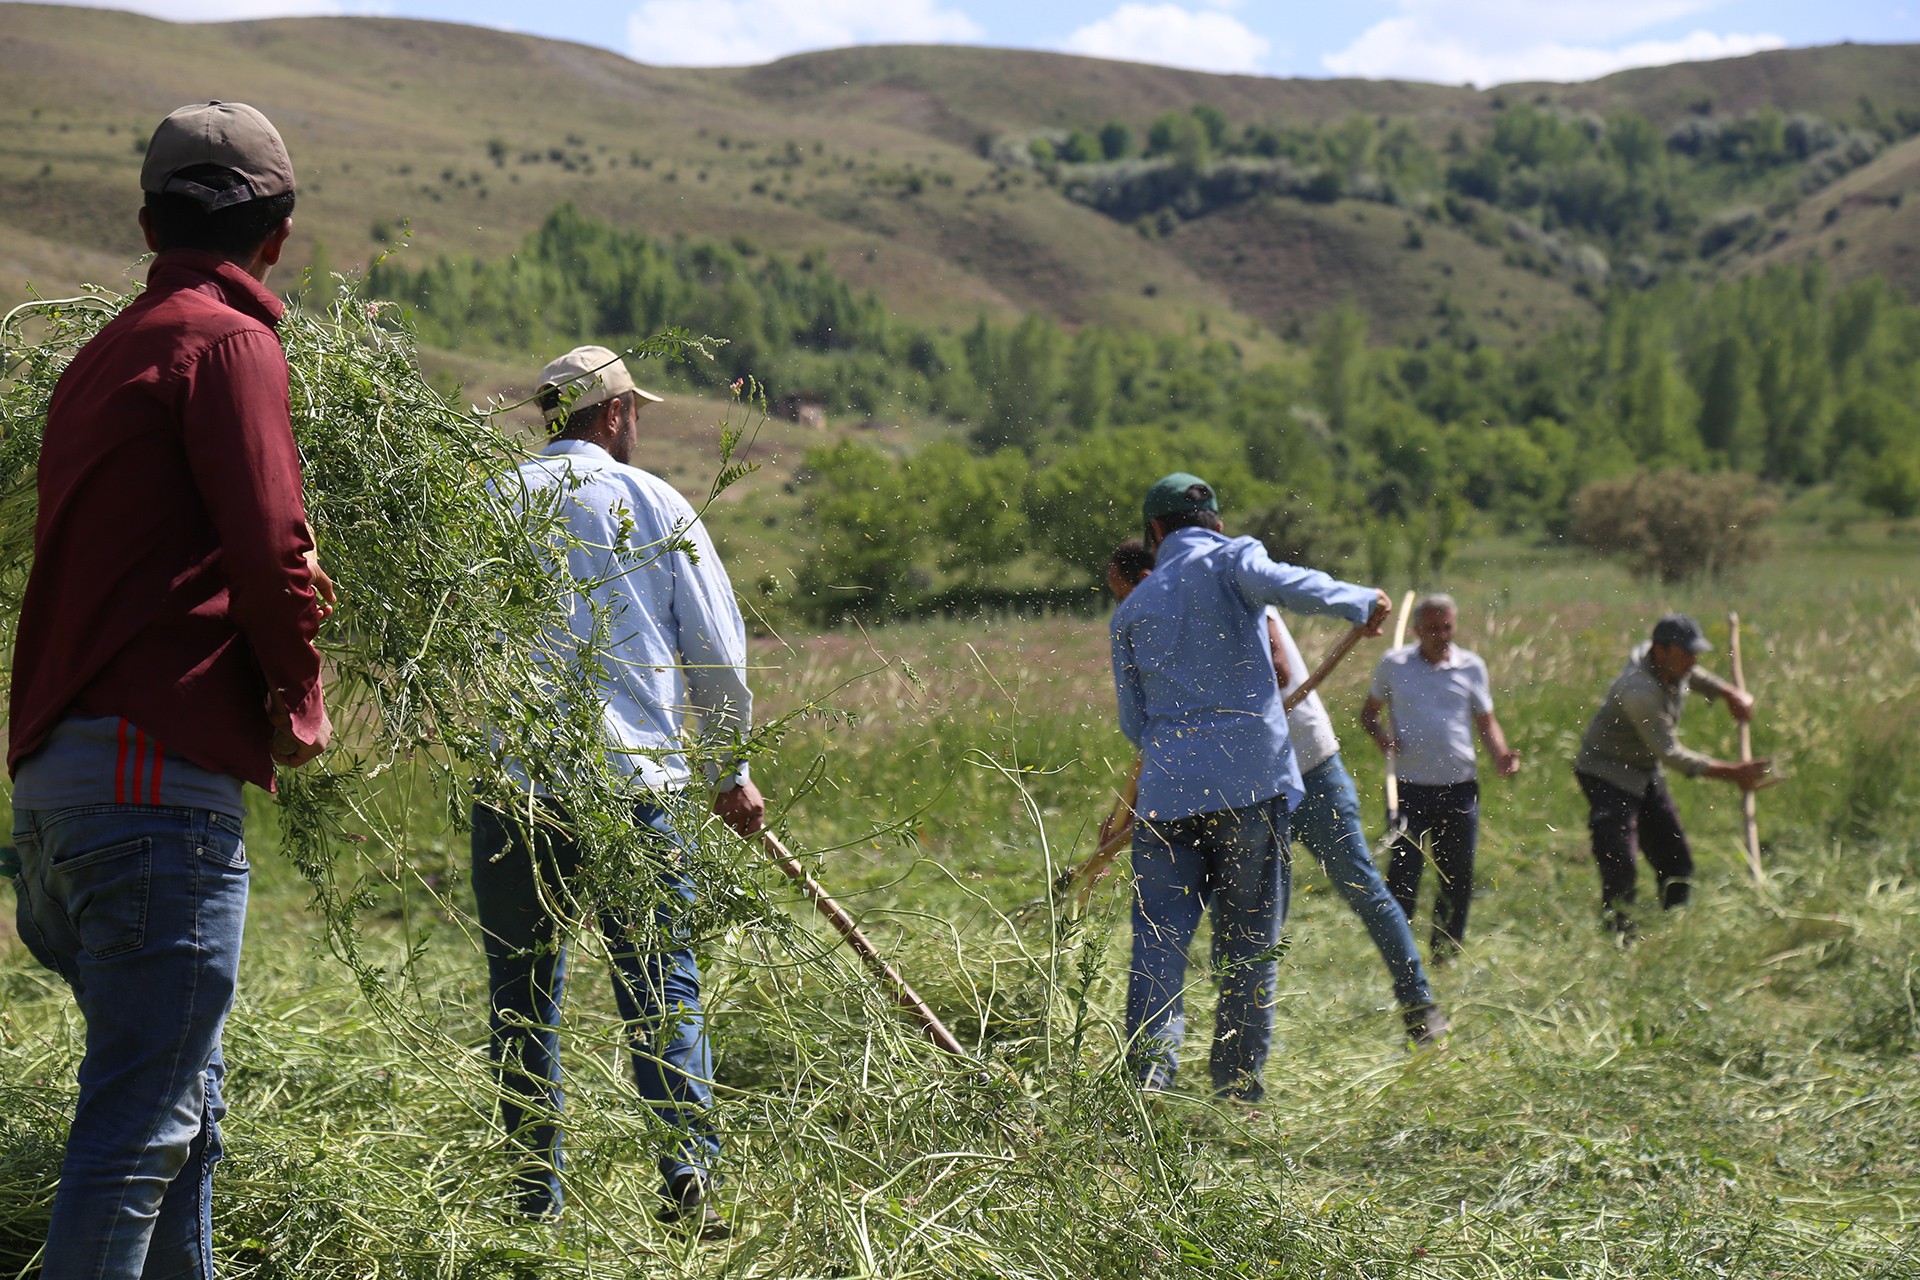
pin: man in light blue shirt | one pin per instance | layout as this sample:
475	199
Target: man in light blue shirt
670	647
1195	681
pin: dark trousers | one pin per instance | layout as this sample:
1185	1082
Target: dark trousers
1447	820
1621	821
517	883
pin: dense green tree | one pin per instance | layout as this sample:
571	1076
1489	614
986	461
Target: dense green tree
1340	365
860	552
1180	137
972	507
1081	147
1214	122
1091	382
1021	397
1637	145
1729	424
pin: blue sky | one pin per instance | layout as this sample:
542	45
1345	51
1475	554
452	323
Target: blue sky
1450	41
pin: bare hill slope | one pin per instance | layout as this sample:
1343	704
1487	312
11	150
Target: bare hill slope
872	157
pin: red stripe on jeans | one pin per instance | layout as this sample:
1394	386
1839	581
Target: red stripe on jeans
120	766
153	786
139	751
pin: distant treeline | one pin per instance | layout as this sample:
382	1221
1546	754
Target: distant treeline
1619	182
1348	449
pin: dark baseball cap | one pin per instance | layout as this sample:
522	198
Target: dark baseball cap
1680	629
224	135
1175	495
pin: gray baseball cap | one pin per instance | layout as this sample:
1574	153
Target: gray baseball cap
587	376
227	135
1680	629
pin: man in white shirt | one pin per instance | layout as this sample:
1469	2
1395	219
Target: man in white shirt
1440	696
669	643
1328	823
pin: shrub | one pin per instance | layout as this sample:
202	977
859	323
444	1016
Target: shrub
1892	483
1675	525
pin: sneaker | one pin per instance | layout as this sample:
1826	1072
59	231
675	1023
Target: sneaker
1427	1027
687	1208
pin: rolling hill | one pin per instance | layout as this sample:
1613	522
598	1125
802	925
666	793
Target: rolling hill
462	139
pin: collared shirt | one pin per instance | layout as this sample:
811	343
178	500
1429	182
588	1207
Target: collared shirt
1195	679
1636	729
675	645
1433	704
1308	724
169	582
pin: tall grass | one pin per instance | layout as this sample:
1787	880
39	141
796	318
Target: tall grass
1737	1095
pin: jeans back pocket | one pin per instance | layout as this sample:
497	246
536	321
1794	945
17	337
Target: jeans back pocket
105	894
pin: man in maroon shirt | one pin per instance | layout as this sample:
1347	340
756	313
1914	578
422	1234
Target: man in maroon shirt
165	656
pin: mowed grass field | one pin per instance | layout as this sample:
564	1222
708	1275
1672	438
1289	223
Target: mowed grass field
1736	1095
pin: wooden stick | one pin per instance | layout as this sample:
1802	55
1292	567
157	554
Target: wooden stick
903	995
1085	874
1746	753
1327	664
1393	764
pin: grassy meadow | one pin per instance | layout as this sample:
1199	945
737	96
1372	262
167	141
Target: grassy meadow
1736	1095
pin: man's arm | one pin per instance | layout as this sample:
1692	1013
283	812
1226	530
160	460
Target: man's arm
712	638
1264	580
1506	762
1708	685
1370	721
238	439
1647	712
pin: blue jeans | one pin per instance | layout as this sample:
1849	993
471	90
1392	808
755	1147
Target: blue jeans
1328	823
141	910
1234	861
656	986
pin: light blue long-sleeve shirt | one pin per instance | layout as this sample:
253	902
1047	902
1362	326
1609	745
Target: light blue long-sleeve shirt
675	647
1194	675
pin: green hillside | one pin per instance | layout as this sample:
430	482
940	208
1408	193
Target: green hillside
885	162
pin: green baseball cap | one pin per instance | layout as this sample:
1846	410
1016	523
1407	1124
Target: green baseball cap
1175	495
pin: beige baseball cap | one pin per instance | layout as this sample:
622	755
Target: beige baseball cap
231	135
597	372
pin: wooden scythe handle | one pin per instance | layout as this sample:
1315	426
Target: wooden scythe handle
1393	764
1327	664
1746	752
903	995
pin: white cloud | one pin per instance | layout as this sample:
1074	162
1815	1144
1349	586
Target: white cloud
1172	36
1519	22
227	10
1487	42
732	33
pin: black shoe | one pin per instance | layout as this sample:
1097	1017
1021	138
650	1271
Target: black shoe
686	1207
1622	926
1427	1027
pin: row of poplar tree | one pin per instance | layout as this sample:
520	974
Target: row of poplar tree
1781	375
